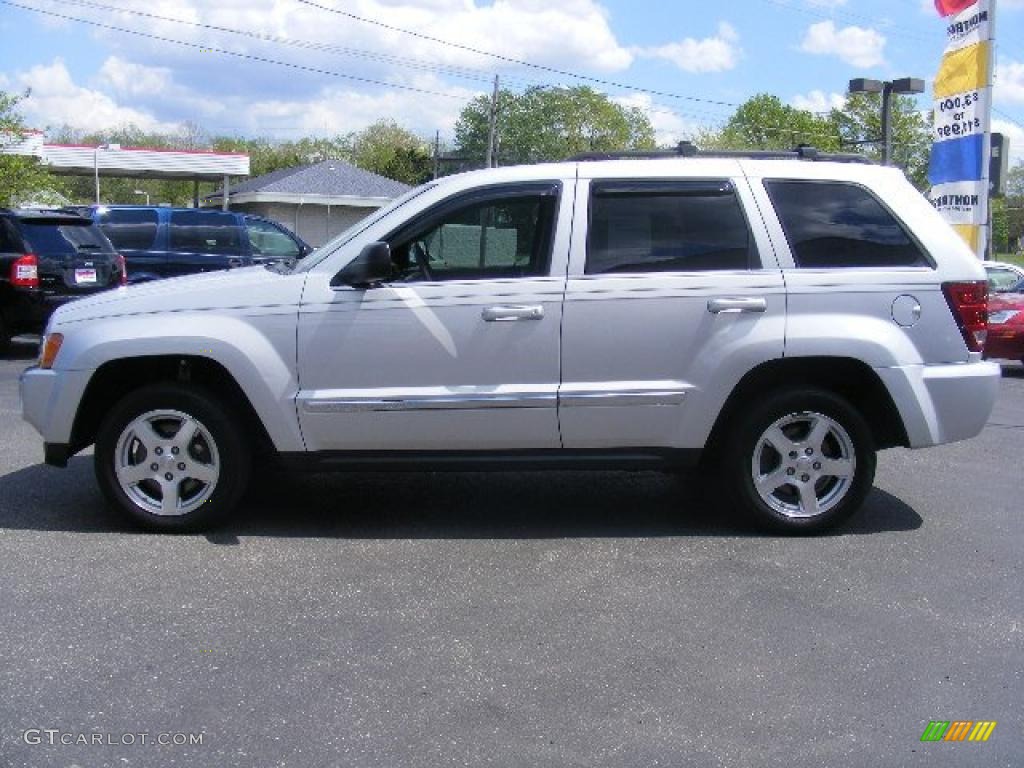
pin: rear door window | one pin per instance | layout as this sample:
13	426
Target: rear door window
841	225
204	232
666	226
130	229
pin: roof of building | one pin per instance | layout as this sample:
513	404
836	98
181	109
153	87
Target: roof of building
329	181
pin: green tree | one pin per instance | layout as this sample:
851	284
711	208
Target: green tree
1013	209
549	124
22	178
765	122
388	149
859	123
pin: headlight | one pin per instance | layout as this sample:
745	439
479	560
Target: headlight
49	348
1003	316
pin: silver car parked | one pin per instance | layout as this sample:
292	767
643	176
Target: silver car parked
781	318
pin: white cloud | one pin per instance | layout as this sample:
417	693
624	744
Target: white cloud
335	108
1016	135
155	87
856	46
818	101
56	100
341	109
1009	82
710	54
570	32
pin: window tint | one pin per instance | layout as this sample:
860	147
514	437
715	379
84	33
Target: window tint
267	240
840	225
9	240
132	229
52	239
204	232
666	227
506	237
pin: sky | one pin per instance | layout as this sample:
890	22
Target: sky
688	64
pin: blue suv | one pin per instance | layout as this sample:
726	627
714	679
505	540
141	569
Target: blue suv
159	242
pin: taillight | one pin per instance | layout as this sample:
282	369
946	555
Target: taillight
121	265
968	302
25	271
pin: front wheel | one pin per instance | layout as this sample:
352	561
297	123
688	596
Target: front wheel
172	458
800	461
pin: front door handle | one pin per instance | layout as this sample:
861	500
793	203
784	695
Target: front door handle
732	306
506	314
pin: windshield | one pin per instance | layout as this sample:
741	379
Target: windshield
331	246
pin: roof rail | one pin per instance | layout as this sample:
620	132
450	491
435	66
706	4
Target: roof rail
687	149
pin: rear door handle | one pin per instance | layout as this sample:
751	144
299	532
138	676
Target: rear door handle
733	306
506	314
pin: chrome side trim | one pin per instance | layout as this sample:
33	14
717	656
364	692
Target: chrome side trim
644	397
430	403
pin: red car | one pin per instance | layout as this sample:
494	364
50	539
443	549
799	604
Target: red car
1006	324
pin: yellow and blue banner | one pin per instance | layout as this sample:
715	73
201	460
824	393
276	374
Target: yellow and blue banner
962	91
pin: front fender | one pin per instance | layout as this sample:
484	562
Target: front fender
257	350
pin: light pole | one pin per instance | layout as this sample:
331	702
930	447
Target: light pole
140	192
96	165
887	88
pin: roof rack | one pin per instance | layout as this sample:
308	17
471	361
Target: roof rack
687	149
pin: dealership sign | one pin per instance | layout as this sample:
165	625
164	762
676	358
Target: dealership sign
958	171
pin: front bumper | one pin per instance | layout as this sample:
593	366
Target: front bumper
49	402
943	403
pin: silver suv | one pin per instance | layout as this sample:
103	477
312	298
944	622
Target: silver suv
782	317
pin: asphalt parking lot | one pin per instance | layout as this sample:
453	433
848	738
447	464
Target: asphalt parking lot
541	619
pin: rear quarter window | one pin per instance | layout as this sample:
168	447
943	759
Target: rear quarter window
841	225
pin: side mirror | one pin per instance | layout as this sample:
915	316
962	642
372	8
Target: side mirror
371	267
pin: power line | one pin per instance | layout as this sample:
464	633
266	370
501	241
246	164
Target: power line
1011	118
237	54
716	120
519	62
376	56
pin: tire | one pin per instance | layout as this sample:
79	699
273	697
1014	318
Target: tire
197	482
816	432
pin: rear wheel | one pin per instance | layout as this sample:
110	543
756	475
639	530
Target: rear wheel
800	461
172	458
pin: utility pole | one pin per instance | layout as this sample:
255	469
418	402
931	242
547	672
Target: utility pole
887	123
493	125
437	153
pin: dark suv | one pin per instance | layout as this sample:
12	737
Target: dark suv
47	258
159	241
